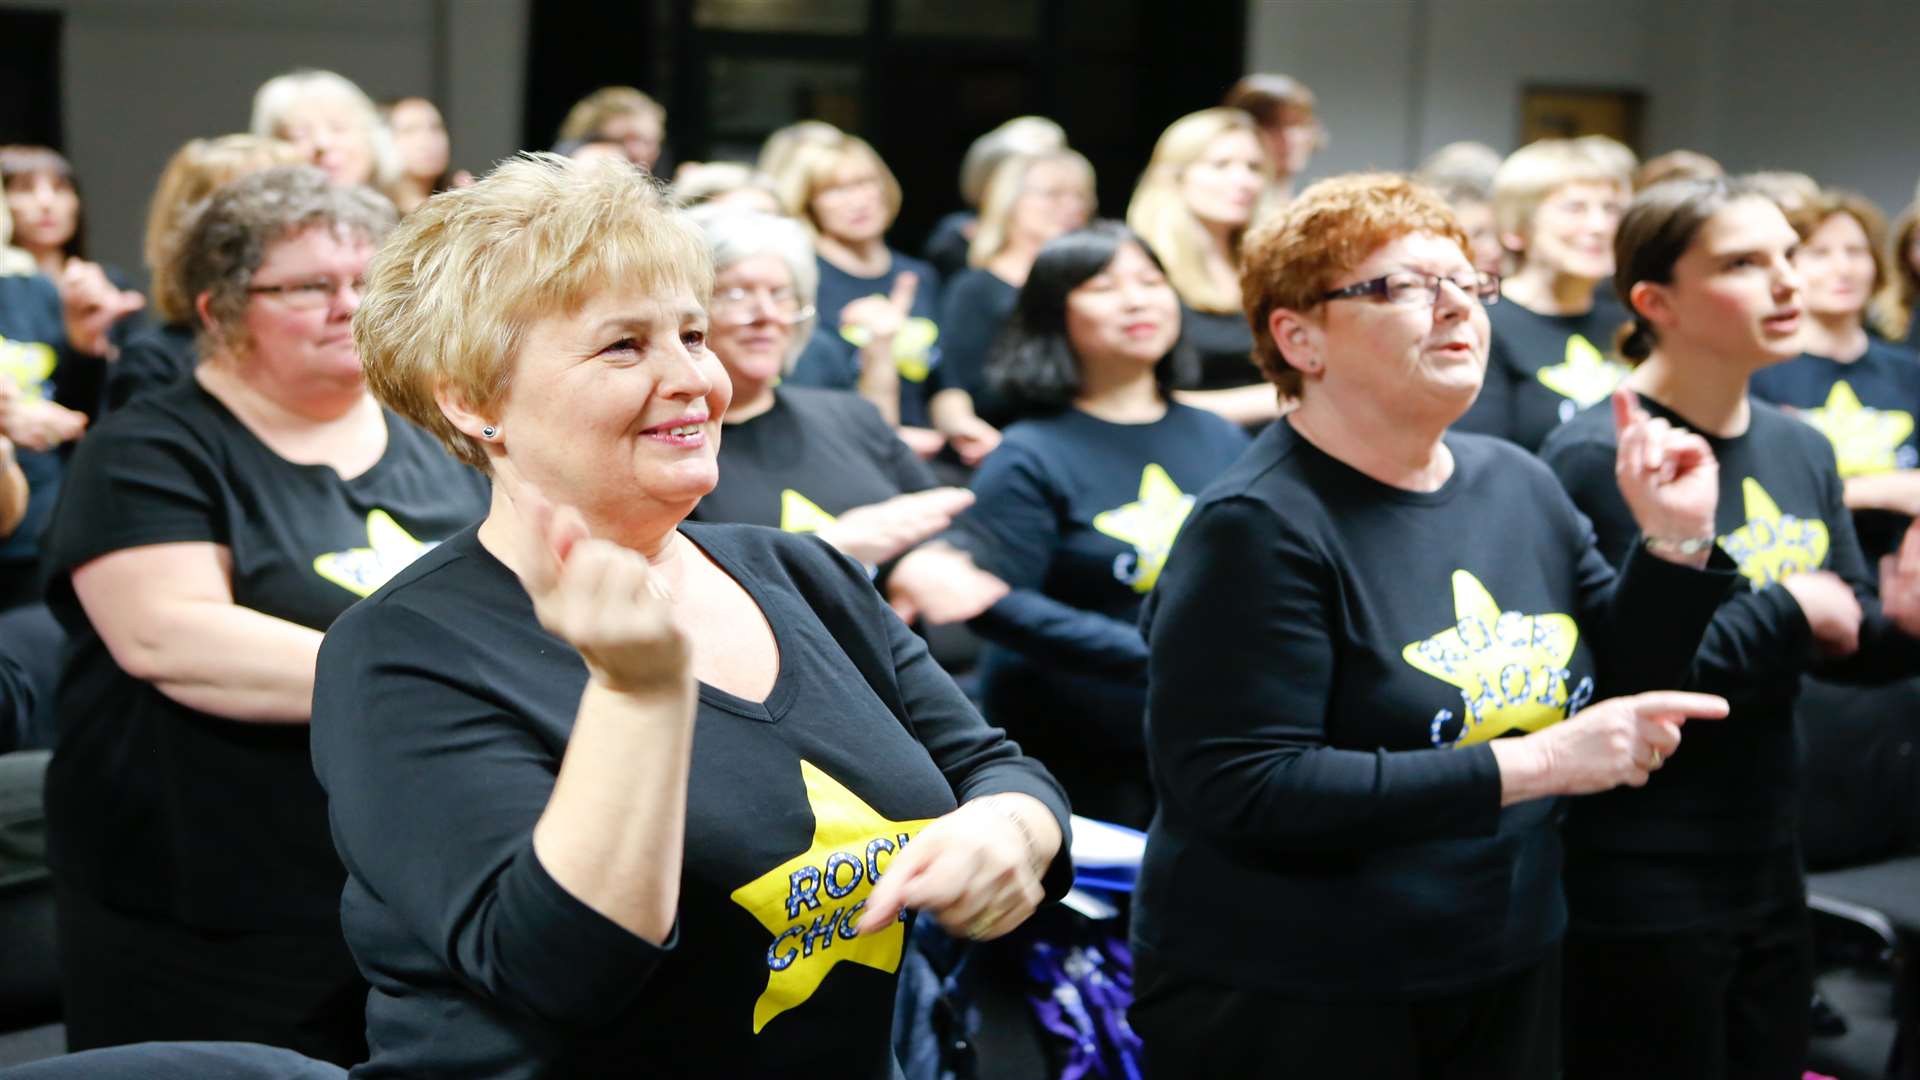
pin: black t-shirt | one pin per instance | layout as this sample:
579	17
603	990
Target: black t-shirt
153	358
1867	409
153	806
1224	344
1542	369
976	308
1077	514
916	348
948	243
1730	796
1329	657
34	355
811	457
441	713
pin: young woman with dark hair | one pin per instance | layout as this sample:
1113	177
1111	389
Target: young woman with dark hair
1686	899
1081	503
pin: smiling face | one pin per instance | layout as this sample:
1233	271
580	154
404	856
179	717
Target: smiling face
330	133
614	408
1836	267
46	210
1125	314
1734	293
296	351
753	308
1223	184
851	206
1571	233
1425	357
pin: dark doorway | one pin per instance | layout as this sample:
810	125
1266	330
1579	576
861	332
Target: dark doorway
919	79
30	77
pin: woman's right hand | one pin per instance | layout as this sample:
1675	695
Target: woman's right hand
40	425
602	599
1831	609
877	532
1618	741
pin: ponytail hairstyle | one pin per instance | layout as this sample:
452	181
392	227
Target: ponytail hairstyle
1657	228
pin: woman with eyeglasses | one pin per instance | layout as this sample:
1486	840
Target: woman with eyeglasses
1378	653
1556	203
809	460
207	536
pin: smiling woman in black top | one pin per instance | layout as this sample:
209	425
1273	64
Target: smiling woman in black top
1080	504
1687	904
1377	652
206	537
616	792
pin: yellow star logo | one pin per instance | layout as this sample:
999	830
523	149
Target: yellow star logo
29	364
361	571
1150	524
812	902
1864	439
1585	375
799	514
1511	669
912	346
1773	545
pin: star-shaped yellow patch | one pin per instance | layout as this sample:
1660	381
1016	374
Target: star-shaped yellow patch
1150	524
1511	669
361	571
28	364
1865	439
912	346
811	902
1585	375
799	514
1773	545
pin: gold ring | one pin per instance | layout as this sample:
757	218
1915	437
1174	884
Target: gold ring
1657	759
979	927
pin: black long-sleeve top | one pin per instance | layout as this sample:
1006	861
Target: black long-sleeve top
1542	369
1728	799
441	712
1329	658
975	307
1077	514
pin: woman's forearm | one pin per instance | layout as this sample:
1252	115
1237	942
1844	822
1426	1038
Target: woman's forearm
614	830
879	382
13	493
1898	491
1244	405
228	661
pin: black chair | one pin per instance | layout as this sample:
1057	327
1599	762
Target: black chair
1867	935
30	974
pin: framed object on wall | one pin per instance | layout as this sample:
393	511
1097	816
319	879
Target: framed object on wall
1563	112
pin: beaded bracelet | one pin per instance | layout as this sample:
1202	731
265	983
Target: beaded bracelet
1686	547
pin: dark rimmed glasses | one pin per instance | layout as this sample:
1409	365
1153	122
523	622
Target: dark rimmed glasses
1406	288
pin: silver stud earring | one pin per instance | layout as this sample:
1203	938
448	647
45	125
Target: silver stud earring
489	431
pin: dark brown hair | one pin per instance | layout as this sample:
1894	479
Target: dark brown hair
1657	228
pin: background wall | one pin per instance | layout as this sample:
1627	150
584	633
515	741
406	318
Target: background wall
1826	87
140	77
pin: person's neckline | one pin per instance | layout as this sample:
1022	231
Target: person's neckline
240	424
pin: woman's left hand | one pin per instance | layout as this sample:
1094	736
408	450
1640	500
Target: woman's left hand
1900	583
977	870
1668	475
90	305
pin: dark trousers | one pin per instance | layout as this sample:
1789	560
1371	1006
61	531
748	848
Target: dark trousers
1505	1030
135	979
1725	1003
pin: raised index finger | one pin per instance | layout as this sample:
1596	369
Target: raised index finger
1626	410
1670	703
905	285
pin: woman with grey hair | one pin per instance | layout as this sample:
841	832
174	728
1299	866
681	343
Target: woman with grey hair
811	460
207	536
332	122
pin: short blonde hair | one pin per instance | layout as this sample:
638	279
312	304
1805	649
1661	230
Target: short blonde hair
814	166
1531	174
776	154
1790	191
1018	136
1159	214
281	94
1008	184
1293	258
192	175
450	297
591	113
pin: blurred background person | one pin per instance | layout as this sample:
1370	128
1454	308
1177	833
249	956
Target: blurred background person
1556	203
621	115
44	198
1192	205
332	122
1290	127
1893	310
1790	191
1462	173
1675	165
950	245
725	183
424	151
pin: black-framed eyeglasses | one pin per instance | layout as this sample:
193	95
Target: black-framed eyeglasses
312	293
1410	289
